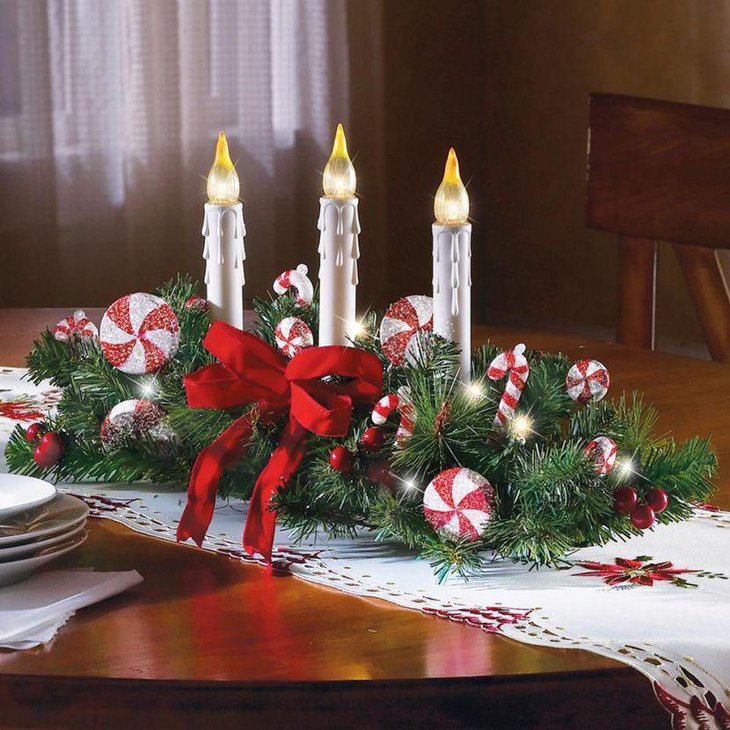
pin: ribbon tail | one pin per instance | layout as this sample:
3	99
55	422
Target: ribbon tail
206	475
258	535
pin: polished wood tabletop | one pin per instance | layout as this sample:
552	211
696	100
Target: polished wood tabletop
205	638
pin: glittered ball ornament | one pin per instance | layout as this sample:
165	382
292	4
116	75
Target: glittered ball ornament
197	304
342	459
292	336
33	432
657	499
75	327
402	322
602	452
139	333
587	380
624	500
49	450
131	418
642	516
459	503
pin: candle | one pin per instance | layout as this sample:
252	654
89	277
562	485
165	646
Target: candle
339	227
452	264
224	231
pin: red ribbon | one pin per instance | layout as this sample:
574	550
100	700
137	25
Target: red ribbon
251	371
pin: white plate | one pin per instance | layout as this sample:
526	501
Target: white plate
19	493
59	515
18	569
28	549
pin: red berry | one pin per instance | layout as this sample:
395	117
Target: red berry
372	440
379	472
642	516
33	432
624	500
49	450
657	499
341	459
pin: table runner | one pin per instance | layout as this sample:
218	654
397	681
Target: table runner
659	602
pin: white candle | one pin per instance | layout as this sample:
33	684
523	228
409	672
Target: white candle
339	226
452	264
224	231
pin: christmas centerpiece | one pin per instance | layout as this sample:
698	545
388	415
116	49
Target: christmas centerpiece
391	423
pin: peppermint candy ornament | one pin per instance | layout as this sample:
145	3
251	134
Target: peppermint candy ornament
130	418
459	503
299	281
292	336
601	451
139	333
587	381
77	326
402	322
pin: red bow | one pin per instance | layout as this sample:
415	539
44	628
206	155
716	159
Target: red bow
251	371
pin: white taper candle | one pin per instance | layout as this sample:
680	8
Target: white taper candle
452	264
339	250
224	231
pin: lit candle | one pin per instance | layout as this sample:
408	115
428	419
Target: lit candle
224	231
452	264
339	227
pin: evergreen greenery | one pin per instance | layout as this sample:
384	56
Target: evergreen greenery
549	499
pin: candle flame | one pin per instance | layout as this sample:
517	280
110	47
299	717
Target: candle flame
223	184
339	179
451	205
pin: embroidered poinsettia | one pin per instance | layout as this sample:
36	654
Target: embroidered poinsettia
21	409
639	571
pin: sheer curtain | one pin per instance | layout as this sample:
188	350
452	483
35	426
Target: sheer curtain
109	111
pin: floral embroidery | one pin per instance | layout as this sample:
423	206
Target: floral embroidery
639	571
21	409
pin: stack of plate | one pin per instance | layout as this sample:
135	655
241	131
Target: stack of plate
37	525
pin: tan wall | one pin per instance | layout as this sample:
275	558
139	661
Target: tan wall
543	57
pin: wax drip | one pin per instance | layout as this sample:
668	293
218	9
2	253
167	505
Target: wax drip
213	247
436	258
454	273
339	252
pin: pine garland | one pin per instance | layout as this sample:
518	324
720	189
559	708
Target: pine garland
549	499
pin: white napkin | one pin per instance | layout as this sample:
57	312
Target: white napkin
32	612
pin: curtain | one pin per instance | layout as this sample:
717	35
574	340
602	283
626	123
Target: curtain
109	110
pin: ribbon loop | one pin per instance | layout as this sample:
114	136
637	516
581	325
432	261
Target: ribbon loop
252	372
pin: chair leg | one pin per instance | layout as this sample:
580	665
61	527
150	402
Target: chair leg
636	292
707	285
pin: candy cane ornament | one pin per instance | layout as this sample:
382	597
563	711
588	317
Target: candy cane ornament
299	281
515	363
391	403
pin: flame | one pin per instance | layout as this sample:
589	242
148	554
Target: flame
223	184
339	180
451	205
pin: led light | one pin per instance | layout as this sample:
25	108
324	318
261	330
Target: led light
521	427
475	390
357	329
148	389
451	205
223	184
409	484
338	179
626	468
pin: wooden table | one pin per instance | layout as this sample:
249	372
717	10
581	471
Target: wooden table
206	639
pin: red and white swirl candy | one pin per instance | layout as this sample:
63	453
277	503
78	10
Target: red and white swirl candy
77	326
587	380
515	363
139	333
292	336
400	403
402	322
602	452
298	280
459	502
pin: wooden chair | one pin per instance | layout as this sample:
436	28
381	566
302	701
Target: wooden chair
660	171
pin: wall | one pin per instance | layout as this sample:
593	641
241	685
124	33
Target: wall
543	58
